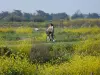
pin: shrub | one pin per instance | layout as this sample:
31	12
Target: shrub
12	66
51	52
88	65
40	53
88	47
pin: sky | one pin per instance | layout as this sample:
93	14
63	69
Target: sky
51	6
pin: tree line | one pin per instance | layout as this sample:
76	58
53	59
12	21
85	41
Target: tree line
40	16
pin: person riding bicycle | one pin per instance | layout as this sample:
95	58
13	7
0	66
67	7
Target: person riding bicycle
50	32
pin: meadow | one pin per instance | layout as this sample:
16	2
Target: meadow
76	50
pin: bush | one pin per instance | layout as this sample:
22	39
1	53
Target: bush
16	66
51	52
88	47
40	53
88	65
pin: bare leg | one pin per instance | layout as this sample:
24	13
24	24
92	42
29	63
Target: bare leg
52	36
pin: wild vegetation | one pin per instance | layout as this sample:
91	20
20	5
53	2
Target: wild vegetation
76	51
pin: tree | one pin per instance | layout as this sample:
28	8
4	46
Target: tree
17	13
45	16
59	16
27	17
93	15
77	14
3	14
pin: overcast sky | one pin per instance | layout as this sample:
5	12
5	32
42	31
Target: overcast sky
51	6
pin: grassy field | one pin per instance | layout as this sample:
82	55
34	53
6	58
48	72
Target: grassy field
24	51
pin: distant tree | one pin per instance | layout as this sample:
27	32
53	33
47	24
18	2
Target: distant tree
17	13
59	16
27	16
14	18
93	15
45	16
38	18
77	14
3	14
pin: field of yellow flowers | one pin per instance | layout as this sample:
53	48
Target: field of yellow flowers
75	52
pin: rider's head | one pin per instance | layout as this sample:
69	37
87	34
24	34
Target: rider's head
51	24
